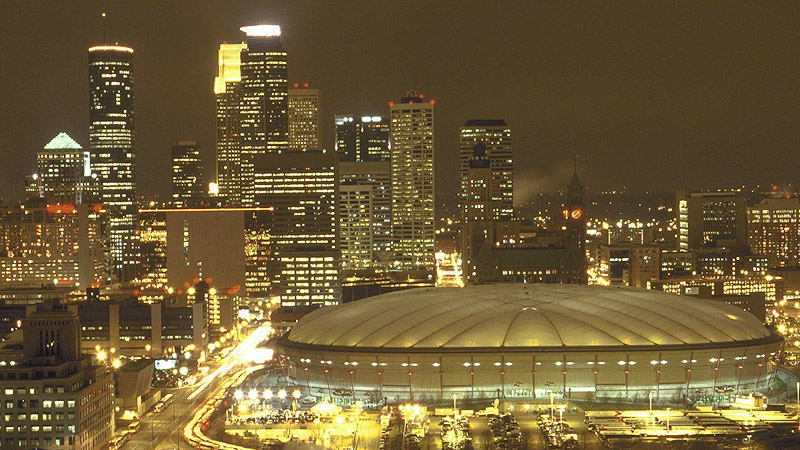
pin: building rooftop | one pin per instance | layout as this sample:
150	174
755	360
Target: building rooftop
525	315
62	141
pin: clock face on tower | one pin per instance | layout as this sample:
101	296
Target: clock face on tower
575	213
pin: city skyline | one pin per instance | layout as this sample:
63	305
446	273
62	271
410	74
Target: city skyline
633	90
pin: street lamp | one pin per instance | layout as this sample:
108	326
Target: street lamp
339	421
295	396
282	394
650	412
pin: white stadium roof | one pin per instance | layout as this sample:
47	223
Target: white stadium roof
525	315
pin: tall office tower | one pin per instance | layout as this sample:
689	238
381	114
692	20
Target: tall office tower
304	129
374	178
64	171
362	139
496	138
55	398
346	137
303	190
263	106
413	225
355	226
480	196
711	220
478	227
774	231
227	90
111	142
373	139
187	174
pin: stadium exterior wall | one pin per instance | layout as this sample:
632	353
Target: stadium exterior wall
669	371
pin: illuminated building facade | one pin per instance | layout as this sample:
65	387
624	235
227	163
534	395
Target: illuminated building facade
134	328
187	174
774	231
302	188
372	178
258	253
412	150
495	135
628	264
64	171
58	244
227	92
111	142
364	138
304	130
773	288
263	105
711	220
54	398
478	205
355	226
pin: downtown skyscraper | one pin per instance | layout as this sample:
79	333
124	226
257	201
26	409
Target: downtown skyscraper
495	136
187	175
252	93
264	102
412	147
305	133
111	142
227	92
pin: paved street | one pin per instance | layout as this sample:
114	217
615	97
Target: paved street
163	430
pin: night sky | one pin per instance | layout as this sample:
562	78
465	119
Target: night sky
652	95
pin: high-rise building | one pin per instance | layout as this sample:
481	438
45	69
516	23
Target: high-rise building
373	139
111	142
364	138
346	137
263	105
711	220
412	150
227	91
54	398
303	190
495	135
355	226
304	129
774	231
187	174
64	171
61	244
373	178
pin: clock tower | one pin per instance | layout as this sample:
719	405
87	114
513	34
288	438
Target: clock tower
574	213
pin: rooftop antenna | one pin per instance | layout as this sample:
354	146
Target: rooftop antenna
576	162
105	27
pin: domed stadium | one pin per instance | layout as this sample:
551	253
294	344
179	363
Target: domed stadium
526	340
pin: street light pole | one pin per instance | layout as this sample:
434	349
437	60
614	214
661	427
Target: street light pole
650	412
